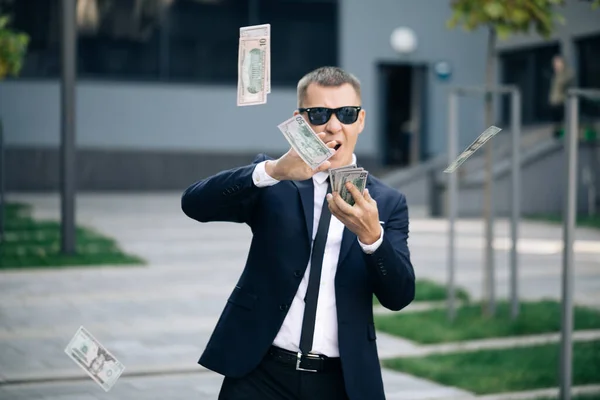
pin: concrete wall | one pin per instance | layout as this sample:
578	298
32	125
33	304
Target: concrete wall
365	31
145	116
164	116
134	136
135	123
543	185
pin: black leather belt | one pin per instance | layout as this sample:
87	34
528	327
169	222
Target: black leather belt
308	362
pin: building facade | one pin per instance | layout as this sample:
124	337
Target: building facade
156	92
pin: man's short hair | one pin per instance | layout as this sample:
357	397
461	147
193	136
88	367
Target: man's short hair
328	77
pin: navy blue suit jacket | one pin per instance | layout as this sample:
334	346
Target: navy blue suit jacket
281	219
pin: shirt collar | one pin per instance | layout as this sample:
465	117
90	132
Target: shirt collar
321	177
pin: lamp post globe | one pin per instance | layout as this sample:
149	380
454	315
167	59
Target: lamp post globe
403	40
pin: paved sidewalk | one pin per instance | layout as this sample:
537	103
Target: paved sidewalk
153	225
156	319
542	393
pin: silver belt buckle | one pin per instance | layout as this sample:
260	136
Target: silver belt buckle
299	359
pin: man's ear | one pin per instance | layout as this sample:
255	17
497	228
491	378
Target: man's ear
362	114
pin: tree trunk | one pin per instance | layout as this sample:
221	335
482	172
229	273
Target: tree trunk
489	303
2	169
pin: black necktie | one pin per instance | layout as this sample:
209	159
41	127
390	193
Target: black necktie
314	279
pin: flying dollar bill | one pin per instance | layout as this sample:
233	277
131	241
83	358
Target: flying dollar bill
94	359
358	179
252	71
265	32
473	147
305	141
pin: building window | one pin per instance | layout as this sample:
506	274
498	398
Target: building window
192	41
588	49
203	40
41	23
304	36
531	71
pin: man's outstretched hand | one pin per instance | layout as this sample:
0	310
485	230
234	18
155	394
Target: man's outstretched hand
292	167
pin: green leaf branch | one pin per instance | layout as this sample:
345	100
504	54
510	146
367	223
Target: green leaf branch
507	17
13	48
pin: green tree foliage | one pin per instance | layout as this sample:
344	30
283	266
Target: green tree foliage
13	47
507	17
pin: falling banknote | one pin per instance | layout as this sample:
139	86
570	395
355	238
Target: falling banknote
265	32
252	69
305	141
254	65
473	147
94	359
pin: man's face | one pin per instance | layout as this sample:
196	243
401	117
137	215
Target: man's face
98	362
346	135
558	63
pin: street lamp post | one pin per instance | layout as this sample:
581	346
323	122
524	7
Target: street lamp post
570	215
67	145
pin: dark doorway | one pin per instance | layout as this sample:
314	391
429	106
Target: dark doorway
403	95
531	71
588	49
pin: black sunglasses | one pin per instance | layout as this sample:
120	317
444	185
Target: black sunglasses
320	115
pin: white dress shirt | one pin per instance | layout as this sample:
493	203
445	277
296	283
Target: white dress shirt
326	328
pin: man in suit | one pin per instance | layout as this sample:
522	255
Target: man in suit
299	322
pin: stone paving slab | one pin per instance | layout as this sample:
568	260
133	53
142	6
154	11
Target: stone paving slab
199	386
542	393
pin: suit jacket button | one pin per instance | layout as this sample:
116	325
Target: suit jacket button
298	273
283	307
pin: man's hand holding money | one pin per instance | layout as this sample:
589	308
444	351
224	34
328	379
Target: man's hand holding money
292	167
362	218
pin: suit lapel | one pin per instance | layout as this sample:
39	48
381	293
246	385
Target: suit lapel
349	238
307	193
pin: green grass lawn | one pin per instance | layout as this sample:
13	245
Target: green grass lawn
580	397
427	290
582	220
432	326
32	243
506	370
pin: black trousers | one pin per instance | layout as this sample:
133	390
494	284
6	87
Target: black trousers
557	113
273	380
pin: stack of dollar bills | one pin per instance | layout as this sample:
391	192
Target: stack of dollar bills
338	177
